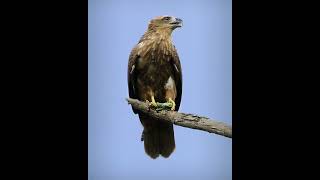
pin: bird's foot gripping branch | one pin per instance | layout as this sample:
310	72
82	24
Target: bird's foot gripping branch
182	119
160	106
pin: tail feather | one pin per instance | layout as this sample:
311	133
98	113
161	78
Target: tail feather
167	143
151	143
158	137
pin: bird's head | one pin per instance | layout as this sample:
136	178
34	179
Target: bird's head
168	23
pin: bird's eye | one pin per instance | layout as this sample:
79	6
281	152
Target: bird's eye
167	18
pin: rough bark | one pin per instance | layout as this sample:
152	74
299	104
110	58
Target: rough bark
183	119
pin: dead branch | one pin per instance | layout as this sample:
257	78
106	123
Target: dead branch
183	119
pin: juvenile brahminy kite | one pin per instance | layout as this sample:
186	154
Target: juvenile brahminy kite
154	75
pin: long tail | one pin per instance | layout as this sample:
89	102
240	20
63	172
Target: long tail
158	137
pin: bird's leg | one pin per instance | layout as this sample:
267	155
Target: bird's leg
172	103
153	102
157	106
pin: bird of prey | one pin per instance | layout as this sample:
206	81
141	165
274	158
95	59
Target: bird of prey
154	75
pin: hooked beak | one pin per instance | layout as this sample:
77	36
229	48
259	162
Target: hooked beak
177	23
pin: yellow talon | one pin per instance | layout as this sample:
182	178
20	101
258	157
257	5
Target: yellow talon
153	102
173	104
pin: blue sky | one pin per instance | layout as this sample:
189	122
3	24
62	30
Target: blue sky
204	47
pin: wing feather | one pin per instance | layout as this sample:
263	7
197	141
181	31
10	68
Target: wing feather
132	74
177	77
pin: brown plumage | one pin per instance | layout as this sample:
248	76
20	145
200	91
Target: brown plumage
154	71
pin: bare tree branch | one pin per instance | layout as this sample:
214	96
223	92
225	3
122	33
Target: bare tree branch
183	119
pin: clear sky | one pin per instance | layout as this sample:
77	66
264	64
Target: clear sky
204	47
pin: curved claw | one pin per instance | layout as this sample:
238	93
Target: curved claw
173	104
153	103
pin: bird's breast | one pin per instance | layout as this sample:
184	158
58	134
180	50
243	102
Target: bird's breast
154	61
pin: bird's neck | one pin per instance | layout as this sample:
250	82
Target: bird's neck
156	42
162	33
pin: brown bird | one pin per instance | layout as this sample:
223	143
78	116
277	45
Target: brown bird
154	75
